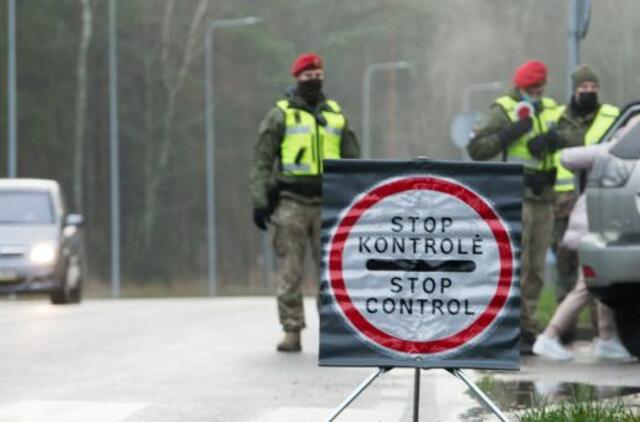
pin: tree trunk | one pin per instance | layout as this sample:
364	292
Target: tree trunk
173	84
81	105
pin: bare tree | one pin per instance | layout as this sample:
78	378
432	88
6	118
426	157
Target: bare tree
157	167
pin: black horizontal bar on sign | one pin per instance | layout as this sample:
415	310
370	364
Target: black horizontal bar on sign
421	265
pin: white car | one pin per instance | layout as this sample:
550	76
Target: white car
40	243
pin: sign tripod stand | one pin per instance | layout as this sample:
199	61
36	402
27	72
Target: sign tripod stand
456	372
421	261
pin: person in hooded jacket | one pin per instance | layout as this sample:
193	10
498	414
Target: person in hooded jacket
294	138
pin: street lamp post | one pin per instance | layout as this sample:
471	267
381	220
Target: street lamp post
578	25
12	150
114	153
366	99
210	140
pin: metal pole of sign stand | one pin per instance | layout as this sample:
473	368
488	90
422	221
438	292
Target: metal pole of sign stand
363	386
479	394
416	393
357	392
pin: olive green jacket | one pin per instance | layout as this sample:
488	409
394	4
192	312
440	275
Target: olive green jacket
265	171
572	127
485	143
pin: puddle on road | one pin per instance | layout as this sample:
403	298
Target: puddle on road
519	395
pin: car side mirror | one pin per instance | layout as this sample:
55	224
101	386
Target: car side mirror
74	220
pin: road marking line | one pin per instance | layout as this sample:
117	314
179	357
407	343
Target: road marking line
67	411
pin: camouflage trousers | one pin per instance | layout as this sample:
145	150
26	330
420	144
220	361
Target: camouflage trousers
537	226
296	227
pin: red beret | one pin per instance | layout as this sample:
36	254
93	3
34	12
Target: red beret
530	73
304	62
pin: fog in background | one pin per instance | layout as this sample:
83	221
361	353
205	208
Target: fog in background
63	120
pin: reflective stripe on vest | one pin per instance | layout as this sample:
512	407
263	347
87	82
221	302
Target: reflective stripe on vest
306	143
607	114
297	129
518	151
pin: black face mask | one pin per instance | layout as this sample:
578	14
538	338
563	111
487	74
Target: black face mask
587	102
310	90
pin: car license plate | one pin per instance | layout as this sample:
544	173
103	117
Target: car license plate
8	276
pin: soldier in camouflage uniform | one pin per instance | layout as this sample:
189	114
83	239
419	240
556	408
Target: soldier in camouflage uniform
286	182
518	129
583	122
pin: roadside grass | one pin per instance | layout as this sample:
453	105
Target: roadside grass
581	411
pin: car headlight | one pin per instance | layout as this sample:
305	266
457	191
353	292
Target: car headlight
43	253
616	172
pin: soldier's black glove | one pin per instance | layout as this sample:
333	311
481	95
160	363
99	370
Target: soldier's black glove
261	217
543	144
515	131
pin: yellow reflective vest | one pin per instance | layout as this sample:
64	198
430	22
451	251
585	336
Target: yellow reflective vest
542	122
306	142
607	114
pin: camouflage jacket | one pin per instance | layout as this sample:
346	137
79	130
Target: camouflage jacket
573	126
265	171
485	143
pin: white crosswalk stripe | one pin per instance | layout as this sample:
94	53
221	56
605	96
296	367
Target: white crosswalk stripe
68	411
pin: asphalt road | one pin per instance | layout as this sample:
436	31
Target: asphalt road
215	360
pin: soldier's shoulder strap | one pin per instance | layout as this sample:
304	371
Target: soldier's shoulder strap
334	106
609	110
549	103
283	105
507	103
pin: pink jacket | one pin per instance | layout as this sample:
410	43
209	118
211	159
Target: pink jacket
580	158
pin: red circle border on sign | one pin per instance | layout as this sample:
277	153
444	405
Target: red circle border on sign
472	200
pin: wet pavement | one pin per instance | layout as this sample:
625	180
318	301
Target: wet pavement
215	360
515	397
541	382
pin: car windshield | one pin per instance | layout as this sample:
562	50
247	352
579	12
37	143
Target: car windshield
25	208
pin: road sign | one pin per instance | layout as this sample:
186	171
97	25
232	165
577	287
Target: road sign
421	267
